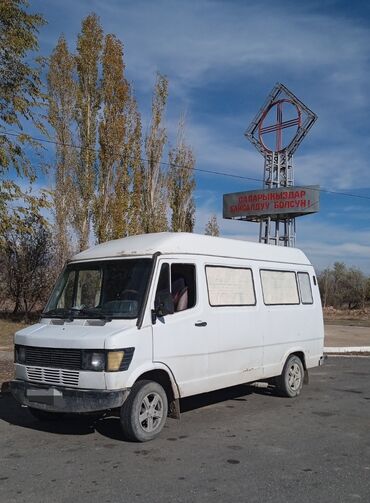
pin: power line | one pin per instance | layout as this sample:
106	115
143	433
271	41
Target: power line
200	170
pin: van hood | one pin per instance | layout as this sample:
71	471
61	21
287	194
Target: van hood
78	334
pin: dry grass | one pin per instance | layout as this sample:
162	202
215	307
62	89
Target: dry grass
7	330
347	317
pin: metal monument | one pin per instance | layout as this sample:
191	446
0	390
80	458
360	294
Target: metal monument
277	131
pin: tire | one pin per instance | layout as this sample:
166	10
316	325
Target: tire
45	415
144	413
290	383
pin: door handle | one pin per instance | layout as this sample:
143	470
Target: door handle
201	324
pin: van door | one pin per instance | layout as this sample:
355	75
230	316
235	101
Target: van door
180	340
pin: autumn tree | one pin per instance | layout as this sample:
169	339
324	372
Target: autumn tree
89	47
62	101
20	97
111	202
137	167
154	177
181	184
212	228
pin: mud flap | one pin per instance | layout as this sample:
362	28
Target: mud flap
174	409
306	378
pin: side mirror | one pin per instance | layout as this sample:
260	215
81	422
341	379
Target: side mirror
163	304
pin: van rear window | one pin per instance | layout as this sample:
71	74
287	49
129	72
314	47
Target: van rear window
305	288
230	286
279	287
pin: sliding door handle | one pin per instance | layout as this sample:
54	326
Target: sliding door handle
201	324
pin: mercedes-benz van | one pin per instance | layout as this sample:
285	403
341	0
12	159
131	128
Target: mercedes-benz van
135	324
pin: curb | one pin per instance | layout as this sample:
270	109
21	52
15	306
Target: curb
349	349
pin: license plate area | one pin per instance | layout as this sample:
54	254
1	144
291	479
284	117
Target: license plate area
46	396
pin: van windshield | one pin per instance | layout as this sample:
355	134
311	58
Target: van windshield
106	289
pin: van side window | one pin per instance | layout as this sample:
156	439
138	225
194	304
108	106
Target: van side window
230	286
181	284
305	288
279	287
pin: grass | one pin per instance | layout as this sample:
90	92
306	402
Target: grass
7	330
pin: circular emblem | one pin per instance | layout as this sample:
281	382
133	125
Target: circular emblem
272	124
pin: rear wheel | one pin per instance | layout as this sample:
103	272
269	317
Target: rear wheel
290	382
45	415
144	413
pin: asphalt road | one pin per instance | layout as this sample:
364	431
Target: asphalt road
239	445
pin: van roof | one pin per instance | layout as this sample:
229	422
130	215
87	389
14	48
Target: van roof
194	244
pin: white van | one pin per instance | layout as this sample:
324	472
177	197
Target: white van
138	323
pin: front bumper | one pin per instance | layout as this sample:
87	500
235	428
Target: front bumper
68	400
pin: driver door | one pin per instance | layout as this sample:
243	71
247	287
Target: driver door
180	340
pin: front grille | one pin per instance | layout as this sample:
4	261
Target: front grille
52	376
53	358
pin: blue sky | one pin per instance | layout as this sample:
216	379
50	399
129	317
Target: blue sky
222	59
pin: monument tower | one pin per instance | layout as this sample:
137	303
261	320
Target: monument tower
277	131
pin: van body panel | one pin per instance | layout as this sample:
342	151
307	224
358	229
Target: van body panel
78	333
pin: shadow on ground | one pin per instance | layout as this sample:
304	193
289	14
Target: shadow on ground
108	424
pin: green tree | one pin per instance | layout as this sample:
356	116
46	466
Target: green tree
212	228
181	184
89	47
20	98
61	110
154	177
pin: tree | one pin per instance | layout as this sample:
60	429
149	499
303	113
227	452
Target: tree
27	254
111	202
181	184
136	198
354	294
212	228
367	297
20	97
342	285
89	47
154	177
61	110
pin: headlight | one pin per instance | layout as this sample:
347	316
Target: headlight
20	354
93	360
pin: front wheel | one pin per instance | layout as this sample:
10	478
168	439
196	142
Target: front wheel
144	413
290	382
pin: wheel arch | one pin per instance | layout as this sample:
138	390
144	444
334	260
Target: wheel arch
302	356
297	352
164	377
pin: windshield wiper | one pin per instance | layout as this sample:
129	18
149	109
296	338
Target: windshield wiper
70	313
94	312
59	312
